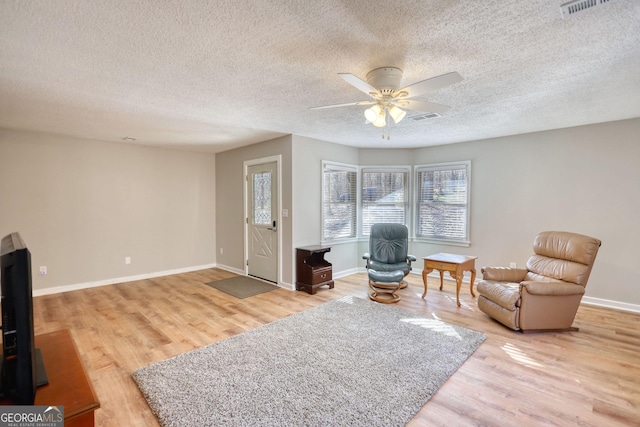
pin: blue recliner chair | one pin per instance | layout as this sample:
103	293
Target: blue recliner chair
388	261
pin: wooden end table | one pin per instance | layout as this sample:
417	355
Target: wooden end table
312	270
456	265
69	384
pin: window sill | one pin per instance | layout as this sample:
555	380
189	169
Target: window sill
340	241
442	242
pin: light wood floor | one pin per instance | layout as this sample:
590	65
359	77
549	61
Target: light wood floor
586	378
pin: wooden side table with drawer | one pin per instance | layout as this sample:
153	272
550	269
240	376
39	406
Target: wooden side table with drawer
312	270
455	264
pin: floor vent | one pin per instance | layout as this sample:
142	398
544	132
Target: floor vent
573	7
425	116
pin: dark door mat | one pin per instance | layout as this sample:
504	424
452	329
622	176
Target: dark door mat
242	286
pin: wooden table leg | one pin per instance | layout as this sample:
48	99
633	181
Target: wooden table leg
457	276
473	278
424	280
441	277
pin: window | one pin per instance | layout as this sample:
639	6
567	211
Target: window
262	198
384	196
339	201
442	202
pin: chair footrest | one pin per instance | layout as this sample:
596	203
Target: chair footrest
386	276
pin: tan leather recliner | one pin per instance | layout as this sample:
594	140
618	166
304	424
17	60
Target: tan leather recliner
545	296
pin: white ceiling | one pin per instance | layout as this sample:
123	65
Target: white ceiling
214	75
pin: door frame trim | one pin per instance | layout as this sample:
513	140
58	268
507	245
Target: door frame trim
246	164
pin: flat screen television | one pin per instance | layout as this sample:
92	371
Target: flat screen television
18	373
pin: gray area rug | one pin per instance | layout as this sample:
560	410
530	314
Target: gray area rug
349	362
242	286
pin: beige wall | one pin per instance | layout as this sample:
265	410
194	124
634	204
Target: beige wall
301	196
308	155
82	206
581	179
230	219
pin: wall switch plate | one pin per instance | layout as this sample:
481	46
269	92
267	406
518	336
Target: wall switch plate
127	260
512	265
43	270
221	251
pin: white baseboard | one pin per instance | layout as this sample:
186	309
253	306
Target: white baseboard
611	304
287	286
230	269
86	285
345	273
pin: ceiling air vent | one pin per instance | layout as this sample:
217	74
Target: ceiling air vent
573	7
425	116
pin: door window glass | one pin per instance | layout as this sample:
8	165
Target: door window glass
262	198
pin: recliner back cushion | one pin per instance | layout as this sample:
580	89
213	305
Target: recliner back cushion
568	246
563	256
389	243
559	269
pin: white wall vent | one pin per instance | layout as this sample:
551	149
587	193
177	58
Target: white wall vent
575	6
425	116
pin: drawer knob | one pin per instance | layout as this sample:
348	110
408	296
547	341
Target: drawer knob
323	276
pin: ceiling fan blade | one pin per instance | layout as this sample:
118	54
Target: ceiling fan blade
343	105
430	85
359	84
425	107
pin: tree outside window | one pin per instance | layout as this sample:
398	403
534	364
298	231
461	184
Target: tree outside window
339	201
384	197
442	202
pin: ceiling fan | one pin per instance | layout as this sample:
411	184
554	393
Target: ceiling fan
383	85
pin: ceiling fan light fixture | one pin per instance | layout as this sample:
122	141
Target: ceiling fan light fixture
397	114
371	114
381	120
383	86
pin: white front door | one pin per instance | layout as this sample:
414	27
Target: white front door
262	229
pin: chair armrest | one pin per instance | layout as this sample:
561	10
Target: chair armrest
503	274
411	258
366	255
552	288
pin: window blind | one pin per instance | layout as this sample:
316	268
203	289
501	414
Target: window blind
339	201
442	201
384	197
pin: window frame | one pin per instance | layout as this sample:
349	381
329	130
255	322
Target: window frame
465	241
340	167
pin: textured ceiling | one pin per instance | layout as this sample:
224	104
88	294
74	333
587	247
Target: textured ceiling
214	75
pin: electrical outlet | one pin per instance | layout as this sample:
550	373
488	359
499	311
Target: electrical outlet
221	251
43	270
127	260
512	265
